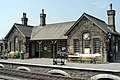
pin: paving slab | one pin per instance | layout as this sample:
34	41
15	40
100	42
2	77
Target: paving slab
49	61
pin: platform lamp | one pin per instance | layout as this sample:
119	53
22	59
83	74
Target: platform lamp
110	51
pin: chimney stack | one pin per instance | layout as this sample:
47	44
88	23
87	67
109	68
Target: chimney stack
111	18
24	19
42	18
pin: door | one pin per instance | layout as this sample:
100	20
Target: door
54	49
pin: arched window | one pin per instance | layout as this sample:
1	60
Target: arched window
86	43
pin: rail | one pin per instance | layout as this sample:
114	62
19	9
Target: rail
33	76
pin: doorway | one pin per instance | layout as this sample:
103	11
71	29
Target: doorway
54	49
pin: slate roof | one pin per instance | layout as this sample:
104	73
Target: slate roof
101	24
25	30
51	31
58	30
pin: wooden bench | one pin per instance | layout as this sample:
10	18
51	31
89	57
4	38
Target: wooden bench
89	58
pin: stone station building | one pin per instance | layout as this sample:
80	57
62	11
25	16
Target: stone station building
84	37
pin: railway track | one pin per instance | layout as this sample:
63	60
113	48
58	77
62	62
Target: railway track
7	74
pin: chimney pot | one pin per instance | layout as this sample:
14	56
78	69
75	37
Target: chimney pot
24	15
42	11
42	18
24	19
111	18
111	6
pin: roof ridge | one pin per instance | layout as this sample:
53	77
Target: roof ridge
23	25
60	23
94	17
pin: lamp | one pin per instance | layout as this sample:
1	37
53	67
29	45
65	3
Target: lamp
109	35
110	51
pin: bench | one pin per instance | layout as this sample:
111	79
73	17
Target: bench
90	58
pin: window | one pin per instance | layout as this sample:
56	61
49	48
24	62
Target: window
1	48
62	45
20	45
118	45
86	40
86	43
10	46
96	45
16	44
76	45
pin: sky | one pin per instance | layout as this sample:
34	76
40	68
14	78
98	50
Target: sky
11	11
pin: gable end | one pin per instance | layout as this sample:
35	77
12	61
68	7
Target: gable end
101	24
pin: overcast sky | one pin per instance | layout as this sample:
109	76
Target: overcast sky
57	11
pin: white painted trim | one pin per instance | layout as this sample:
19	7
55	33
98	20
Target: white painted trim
96	77
2	66
22	67
58	71
20	31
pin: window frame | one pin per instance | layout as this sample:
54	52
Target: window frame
96	45
76	45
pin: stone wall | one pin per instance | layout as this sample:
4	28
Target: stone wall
86	25
21	39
